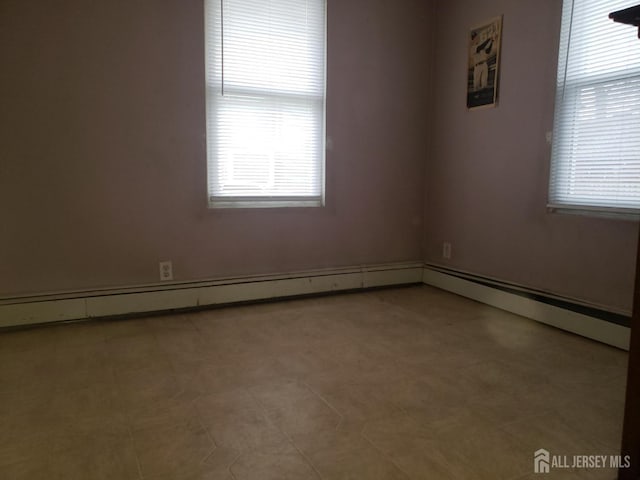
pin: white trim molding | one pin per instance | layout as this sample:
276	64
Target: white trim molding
78	305
160	297
581	324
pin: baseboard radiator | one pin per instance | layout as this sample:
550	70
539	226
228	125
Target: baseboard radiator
567	314
607	327
191	295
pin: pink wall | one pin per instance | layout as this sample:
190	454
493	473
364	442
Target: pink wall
487	174
102	160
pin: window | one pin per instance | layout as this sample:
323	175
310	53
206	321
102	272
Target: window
595	164
265	78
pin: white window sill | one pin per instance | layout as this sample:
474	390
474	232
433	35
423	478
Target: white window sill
265	203
627	214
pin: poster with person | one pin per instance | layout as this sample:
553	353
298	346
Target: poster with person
484	60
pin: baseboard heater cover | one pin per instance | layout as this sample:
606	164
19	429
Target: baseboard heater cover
605	327
15	312
69	306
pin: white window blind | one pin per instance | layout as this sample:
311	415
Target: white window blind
265	76
595	162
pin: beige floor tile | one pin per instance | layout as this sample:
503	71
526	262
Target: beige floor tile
97	434
273	462
346	454
576	366
24	369
461	446
27	423
440	307
600	424
365	363
25	439
301	363
397	383
295	408
184	348
230	373
80	334
435	394
41	339
503	408
80	366
501	377
202	473
35	468
95	463
506	332
30	397
91	415
171	323
554	433
595	474
218	464
208	378
172	450
122	328
230	337
236	421
154	396
134	352
356	403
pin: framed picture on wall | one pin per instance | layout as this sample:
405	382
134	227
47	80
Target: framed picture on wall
483	64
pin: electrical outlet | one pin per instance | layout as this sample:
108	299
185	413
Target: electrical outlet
166	271
446	251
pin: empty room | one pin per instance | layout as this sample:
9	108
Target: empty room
319	239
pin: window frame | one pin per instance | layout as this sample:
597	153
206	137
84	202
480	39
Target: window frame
566	90
214	90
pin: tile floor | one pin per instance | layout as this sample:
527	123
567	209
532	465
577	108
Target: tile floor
407	383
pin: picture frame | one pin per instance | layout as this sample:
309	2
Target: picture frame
483	65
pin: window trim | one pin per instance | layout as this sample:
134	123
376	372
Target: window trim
563	85
267	201
264	202
600	212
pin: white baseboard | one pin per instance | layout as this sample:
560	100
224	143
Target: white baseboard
584	325
184	295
